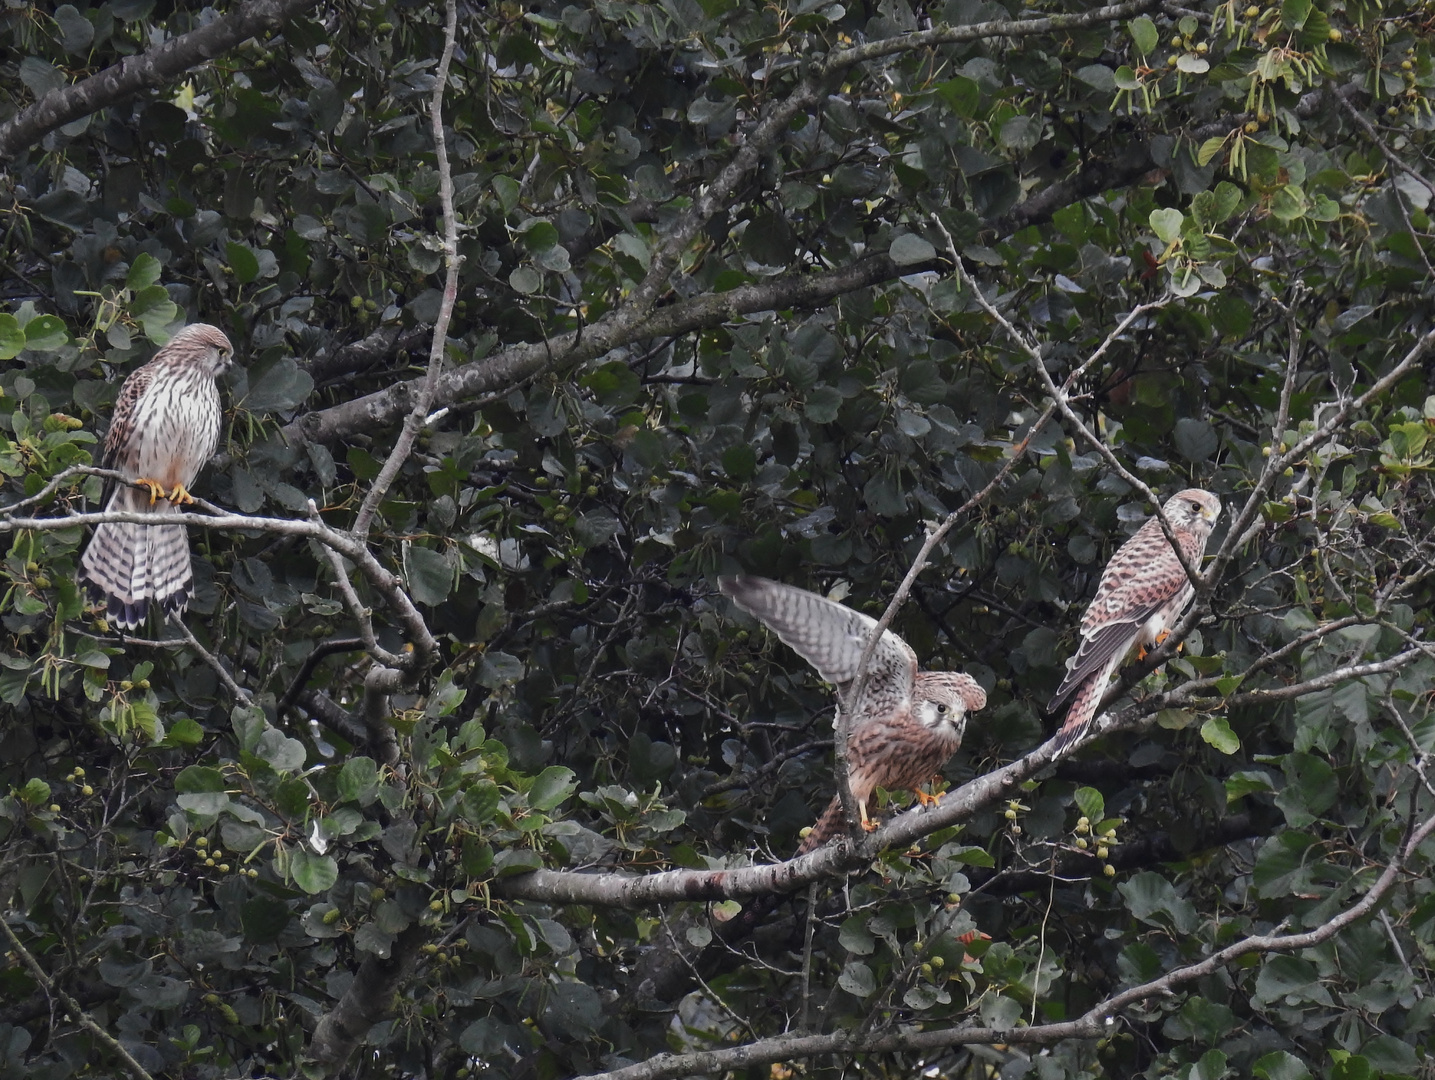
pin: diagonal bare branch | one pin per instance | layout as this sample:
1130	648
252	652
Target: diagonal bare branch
150	69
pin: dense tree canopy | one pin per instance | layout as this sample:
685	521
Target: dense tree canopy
549	314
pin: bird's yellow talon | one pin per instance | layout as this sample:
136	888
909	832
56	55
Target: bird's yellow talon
868	825
154	487
180	495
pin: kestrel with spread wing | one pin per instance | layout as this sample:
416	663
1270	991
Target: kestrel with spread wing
165	427
907	722
1142	594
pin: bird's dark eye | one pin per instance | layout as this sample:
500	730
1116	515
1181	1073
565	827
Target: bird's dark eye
941	707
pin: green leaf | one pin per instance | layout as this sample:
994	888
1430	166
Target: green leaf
358	780
313	873
1217	732
1166	223
525	280
184	732
1294	13
430	576
551	787
1209	149
263	919
1153	899
1280	1066
480	802
242	261
1175	719
46	333
507	189
144	272
962	95
281	753
1228	199
1091	803
1125	78
822	404
12	338
1311	788
281	387
538	235
516	861
910	248
498	669
855	937
1144	35
198	778
1196	440
857	979
1248	782
1020	134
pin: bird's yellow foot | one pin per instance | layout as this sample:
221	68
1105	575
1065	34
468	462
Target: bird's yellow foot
928	798
180	495
869	825
154	487
1160	640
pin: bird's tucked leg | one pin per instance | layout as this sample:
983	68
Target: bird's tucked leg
867	823
154	487
179	495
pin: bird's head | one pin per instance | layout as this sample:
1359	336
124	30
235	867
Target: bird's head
1193	507
944	698
207	345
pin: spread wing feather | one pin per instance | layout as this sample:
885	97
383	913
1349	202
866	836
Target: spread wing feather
828	635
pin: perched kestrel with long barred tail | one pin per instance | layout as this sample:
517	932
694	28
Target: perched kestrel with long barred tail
165	427
907	722
1141	596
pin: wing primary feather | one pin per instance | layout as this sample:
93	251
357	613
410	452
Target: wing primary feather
1111	640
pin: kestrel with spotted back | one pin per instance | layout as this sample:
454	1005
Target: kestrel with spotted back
1141	596
907	722
166	426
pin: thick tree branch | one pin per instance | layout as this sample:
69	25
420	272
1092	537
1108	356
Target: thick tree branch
368	1000
638	317
831	860
1095	1022
152	68
388	584
836	859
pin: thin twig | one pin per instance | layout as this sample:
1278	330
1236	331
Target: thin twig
238	692
404	444
73	1007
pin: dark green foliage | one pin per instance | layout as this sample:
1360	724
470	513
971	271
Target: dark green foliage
797	390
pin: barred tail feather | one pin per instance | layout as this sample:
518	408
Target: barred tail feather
130	566
170	576
826	827
1079	716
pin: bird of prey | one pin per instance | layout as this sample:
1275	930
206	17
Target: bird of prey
1141	596
165	427
907	722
